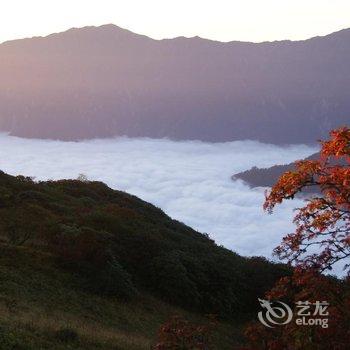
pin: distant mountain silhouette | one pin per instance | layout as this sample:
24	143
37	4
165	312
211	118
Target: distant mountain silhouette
267	177
106	81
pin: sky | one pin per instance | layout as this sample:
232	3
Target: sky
224	20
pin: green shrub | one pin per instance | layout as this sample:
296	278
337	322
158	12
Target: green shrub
88	252
169	277
9	341
66	335
111	280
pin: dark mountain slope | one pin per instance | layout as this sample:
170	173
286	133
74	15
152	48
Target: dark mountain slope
44	307
106	81
119	246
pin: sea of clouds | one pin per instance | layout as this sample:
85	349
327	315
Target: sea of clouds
189	180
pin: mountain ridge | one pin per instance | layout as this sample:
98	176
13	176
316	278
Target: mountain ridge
267	177
119	28
107	81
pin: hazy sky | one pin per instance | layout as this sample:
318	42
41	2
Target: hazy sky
251	20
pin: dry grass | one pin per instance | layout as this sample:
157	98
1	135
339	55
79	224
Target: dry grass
37	300
89	332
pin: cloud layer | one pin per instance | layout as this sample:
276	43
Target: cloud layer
190	181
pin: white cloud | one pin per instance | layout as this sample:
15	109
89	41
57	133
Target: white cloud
190	181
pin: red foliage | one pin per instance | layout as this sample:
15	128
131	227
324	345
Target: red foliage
324	224
81	246
311	286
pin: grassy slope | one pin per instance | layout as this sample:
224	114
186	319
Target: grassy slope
37	300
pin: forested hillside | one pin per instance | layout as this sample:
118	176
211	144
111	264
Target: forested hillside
88	245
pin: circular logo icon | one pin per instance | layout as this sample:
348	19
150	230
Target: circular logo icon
276	315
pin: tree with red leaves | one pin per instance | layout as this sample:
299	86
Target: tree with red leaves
321	239
324	222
